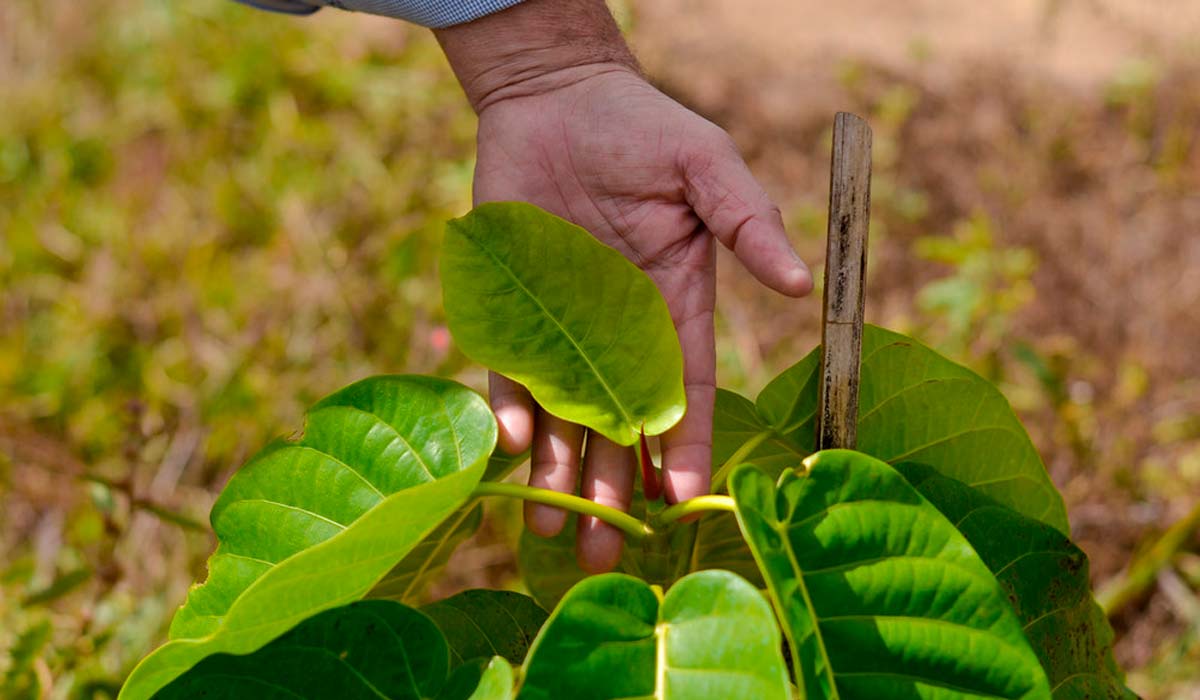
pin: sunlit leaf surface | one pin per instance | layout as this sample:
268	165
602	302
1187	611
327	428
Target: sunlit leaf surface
538	299
879	595
311	524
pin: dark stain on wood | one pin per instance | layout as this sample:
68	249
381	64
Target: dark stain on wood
845	282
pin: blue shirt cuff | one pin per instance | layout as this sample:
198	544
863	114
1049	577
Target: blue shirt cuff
291	7
435	14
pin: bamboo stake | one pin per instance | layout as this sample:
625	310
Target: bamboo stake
845	282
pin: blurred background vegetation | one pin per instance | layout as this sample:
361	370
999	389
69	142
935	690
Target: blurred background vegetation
210	217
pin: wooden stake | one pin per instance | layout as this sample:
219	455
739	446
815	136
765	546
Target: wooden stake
845	282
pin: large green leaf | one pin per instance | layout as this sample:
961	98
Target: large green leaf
539	300
370	649
1046	579
315	523
914	405
712	637
486	623
879	595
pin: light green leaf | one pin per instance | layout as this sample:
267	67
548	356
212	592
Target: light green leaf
540	300
480	679
712	637
914	405
879	595
486	623
496	683
737	423
1045	577
313	524
370	650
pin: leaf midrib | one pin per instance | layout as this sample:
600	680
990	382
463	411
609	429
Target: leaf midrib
380	421
537	302
288	506
802	585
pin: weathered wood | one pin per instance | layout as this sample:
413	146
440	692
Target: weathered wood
845	282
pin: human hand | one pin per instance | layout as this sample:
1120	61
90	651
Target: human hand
566	122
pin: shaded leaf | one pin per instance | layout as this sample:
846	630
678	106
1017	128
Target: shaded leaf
486	623
880	596
712	637
538	299
1045	577
370	649
313	524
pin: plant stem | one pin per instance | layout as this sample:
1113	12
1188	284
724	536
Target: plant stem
622	521
700	504
736	458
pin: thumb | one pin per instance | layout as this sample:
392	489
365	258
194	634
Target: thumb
734	207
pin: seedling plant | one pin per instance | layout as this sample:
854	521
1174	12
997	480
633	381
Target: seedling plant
933	562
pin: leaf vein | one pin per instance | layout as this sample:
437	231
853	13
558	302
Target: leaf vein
574	343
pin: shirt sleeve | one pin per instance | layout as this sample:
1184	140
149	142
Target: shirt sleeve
434	14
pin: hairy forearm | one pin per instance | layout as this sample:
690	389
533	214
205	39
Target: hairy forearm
533	47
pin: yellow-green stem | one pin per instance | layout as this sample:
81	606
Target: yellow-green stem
700	504
622	521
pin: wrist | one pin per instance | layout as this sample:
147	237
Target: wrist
534	47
